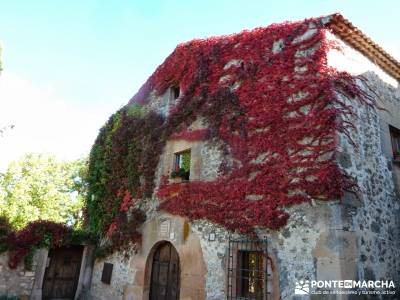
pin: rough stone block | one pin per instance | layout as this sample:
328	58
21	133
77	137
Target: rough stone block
352	199
344	159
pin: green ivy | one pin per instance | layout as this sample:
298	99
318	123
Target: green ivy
135	110
28	259
186	161
117	169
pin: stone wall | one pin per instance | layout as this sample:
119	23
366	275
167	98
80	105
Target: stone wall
215	255
377	218
16	282
122	275
356	237
27	284
131	275
373	215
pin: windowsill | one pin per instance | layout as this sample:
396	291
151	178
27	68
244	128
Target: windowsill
178	180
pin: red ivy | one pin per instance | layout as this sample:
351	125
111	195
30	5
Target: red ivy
191	135
269	96
126	202
35	234
276	111
111	229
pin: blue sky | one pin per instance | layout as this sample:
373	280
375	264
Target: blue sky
69	64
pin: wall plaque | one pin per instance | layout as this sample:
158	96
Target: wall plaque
164	228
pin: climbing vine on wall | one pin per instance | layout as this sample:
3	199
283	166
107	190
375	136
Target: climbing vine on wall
22	244
268	96
190	135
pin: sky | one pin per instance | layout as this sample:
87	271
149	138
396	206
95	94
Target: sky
68	65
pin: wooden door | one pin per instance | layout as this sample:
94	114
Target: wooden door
62	274
165	274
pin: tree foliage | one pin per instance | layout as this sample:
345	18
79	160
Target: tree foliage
40	187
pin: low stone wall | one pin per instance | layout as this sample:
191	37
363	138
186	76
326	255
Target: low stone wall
16	282
122	275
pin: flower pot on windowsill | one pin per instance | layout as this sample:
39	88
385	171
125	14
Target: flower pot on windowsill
179	176
176	180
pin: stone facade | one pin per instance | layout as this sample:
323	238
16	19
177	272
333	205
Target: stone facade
131	275
16	282
356	237
122	275
374	217
28	284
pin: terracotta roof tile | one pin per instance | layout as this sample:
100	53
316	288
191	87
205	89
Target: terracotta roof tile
351	35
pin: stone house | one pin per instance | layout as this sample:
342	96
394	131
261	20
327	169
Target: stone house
352	237
283	168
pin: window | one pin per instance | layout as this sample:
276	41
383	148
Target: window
182	165
107	272
395	137
250	278
247	270
176	91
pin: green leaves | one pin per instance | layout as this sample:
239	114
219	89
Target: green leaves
41	187
135	110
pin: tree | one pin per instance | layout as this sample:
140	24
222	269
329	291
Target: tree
41	187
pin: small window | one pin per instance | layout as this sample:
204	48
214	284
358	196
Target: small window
176	91
395	137
107	272
182	165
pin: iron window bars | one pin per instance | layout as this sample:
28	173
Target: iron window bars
247	269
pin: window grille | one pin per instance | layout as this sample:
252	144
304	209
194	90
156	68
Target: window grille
247	269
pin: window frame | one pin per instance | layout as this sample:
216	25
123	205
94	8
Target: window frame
244	268
175	92
177	164
235	279
106	274
395	142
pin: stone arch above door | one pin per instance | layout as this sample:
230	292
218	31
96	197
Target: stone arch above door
187	244
164	272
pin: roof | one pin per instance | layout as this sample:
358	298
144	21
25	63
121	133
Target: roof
336	23
353	36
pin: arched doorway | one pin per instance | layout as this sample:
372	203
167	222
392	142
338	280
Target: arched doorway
165	273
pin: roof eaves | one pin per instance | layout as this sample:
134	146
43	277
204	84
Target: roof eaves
351	35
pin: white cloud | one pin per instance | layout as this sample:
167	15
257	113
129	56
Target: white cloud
44	122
